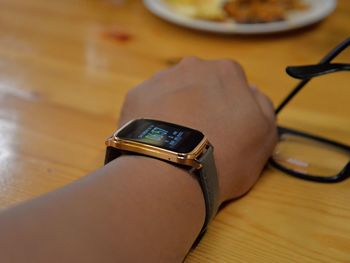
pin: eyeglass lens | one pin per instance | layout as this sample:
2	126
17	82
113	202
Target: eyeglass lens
309	157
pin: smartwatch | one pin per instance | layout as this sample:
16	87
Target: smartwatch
181	146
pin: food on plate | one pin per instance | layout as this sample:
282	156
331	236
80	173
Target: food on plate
261	11
202	9
241	11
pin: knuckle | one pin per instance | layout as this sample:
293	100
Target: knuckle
190	60
160	74
268	100
229	65
130	95
270	125
265	126
270	113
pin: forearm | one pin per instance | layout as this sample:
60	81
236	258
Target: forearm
134	209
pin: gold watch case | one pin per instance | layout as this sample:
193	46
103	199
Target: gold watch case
189	159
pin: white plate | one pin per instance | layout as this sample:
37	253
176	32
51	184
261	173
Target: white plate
318	10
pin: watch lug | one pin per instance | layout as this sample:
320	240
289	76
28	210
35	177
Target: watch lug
199	165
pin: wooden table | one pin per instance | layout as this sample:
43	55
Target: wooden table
65	67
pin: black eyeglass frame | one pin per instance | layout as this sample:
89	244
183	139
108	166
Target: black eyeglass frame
345	172
341	176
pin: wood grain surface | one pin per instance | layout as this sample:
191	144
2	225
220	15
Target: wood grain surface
65	67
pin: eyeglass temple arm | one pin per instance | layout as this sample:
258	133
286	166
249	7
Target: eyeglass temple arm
328	58
310	71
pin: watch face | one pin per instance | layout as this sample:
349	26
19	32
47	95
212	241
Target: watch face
162	134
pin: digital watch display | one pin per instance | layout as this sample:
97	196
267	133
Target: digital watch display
161	134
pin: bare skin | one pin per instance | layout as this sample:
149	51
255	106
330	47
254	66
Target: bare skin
138	209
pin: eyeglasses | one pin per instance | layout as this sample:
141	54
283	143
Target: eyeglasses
307	156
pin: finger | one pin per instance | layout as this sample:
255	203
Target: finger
264	102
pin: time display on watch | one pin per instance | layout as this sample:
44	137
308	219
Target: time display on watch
162	134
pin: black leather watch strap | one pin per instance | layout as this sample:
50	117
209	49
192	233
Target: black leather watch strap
111	154
208	180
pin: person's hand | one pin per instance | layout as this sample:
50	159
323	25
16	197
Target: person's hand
215	98
156	217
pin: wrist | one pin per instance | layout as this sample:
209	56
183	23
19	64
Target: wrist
157	178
